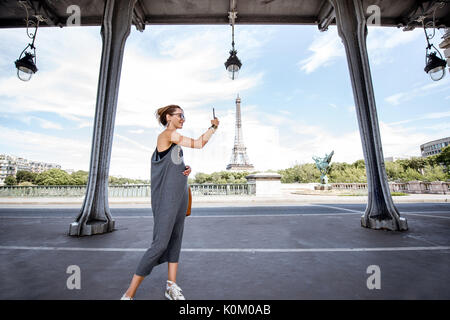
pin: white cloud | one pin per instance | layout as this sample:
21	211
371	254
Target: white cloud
69	153
327	47
426	116
421	90
139	131
66	85
185	74
381	41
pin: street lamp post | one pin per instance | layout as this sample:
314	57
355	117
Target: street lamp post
233	64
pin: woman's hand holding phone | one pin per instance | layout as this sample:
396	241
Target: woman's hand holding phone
215	121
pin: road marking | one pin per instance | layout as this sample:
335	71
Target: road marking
234	250
196	216
241	215
273	215
425	215
337	208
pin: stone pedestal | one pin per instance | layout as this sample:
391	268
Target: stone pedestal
438	187
266	183
323	187
415	187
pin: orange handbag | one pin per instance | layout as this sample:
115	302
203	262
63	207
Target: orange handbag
188	212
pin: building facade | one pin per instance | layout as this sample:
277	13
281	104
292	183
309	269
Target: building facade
10	165
434	147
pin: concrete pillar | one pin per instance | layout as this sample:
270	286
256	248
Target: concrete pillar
267	183
351	23
95	216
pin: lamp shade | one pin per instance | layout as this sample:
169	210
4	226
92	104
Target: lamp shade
435	67
233	64
26	67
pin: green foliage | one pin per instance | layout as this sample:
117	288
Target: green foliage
302	173
10	181
60	177
416	169
443	158
79	178
221	177
421	169
121	181
22	176
345	172
436	173
53	177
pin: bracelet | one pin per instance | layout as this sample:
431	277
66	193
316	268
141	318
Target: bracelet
214	127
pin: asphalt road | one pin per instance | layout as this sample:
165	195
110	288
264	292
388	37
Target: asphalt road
133	210
265	252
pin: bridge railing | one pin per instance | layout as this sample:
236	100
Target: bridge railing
122	191
144	190
436	187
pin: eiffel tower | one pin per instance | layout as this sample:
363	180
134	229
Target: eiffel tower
239	159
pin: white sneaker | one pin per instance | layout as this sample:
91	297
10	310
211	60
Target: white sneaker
173	292
124	297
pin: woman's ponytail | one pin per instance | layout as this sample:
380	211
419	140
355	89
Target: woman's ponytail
162	112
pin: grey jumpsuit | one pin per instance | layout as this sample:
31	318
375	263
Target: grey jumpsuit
169	199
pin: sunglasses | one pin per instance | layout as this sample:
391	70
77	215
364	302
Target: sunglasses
179	114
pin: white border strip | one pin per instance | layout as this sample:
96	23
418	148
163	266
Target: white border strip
234	250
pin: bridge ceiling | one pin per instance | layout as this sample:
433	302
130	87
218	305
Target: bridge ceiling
400	13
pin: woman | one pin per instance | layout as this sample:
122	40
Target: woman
169	198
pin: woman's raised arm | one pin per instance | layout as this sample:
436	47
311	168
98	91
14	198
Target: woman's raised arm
198	143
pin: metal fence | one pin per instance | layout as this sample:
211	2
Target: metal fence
223	189
122	191
144	190
436	187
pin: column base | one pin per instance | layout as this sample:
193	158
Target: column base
91	228
386	224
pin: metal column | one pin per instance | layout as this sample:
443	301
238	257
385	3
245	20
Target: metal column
381	212
95	216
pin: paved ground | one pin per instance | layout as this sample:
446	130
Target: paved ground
302	251
287	198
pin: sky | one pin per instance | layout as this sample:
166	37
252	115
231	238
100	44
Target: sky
294	85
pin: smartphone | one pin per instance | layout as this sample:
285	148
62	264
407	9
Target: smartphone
214	114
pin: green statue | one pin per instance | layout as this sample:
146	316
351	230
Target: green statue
323	165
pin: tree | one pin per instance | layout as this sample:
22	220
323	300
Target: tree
201	177
434	173
53	177
444	158
79	178
10	181
22	176
394	170
359	164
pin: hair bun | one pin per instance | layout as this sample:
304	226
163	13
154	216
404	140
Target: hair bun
161	113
